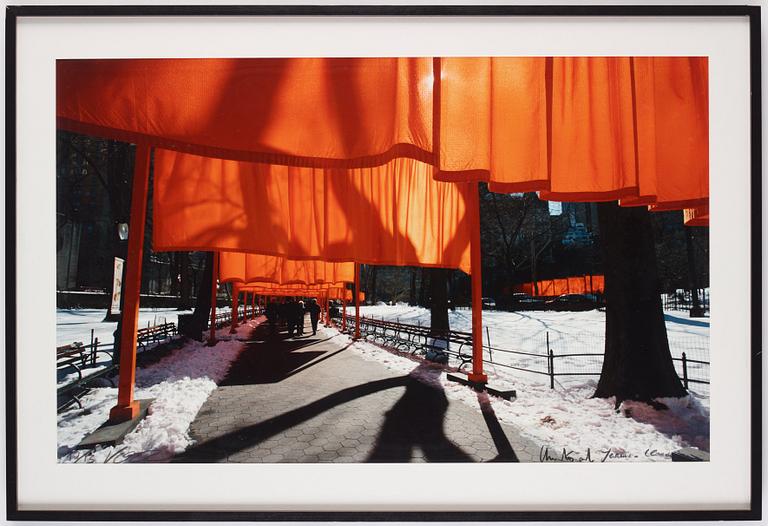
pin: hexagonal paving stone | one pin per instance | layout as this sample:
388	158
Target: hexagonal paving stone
313	450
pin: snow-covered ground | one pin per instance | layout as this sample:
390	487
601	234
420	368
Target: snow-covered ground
566	417
568	333
180	383
75	325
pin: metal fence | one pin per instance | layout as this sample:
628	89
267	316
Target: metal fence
678	300
574	355
556	355
683	300
224	317
83	359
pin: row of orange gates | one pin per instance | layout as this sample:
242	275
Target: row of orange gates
343	161
587	284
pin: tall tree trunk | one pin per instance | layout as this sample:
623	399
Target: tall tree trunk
186	281
372	273
202	312
637	364
534	278
438	284
423	288
413	299
696	310
174	273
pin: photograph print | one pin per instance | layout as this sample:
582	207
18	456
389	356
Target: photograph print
397	260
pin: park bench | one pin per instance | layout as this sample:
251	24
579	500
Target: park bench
415	339
82	359
155	333
74	354
78	358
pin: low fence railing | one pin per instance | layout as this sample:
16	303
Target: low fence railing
225	317
560	356
82	361
683	300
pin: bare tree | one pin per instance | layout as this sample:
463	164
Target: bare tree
637	363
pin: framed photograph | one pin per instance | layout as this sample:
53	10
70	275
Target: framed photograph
383	263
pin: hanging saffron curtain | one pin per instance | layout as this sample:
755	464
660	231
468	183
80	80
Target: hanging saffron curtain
322	112
578	128
244	268
572	128
331	290
571	285
395	214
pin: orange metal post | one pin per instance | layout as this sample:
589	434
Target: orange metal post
253	305
357	301
127	408
214	289
235	307
344	312
473	215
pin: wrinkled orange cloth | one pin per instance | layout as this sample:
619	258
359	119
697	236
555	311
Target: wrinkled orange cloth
578	128
570	285
323	112
244	268
395	214
329	290
571	128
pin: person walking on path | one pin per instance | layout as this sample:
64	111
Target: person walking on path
271	314
314	314
300	319
288	310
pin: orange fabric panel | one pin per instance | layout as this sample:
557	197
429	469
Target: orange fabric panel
572	128
570	285
493	121
295	111
331	290
525	288
592	130
577	285
673	131
242	267
297	289
396	214
596	128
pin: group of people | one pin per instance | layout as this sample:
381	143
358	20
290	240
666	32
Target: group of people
291	312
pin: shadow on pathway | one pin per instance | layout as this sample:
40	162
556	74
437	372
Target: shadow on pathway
273	358
412	427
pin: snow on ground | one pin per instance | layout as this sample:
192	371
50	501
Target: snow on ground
180	383
68	375
74	325
565	417
568	332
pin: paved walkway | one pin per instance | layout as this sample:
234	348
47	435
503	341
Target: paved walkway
309	399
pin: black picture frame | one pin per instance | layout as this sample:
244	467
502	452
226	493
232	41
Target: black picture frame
13	13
